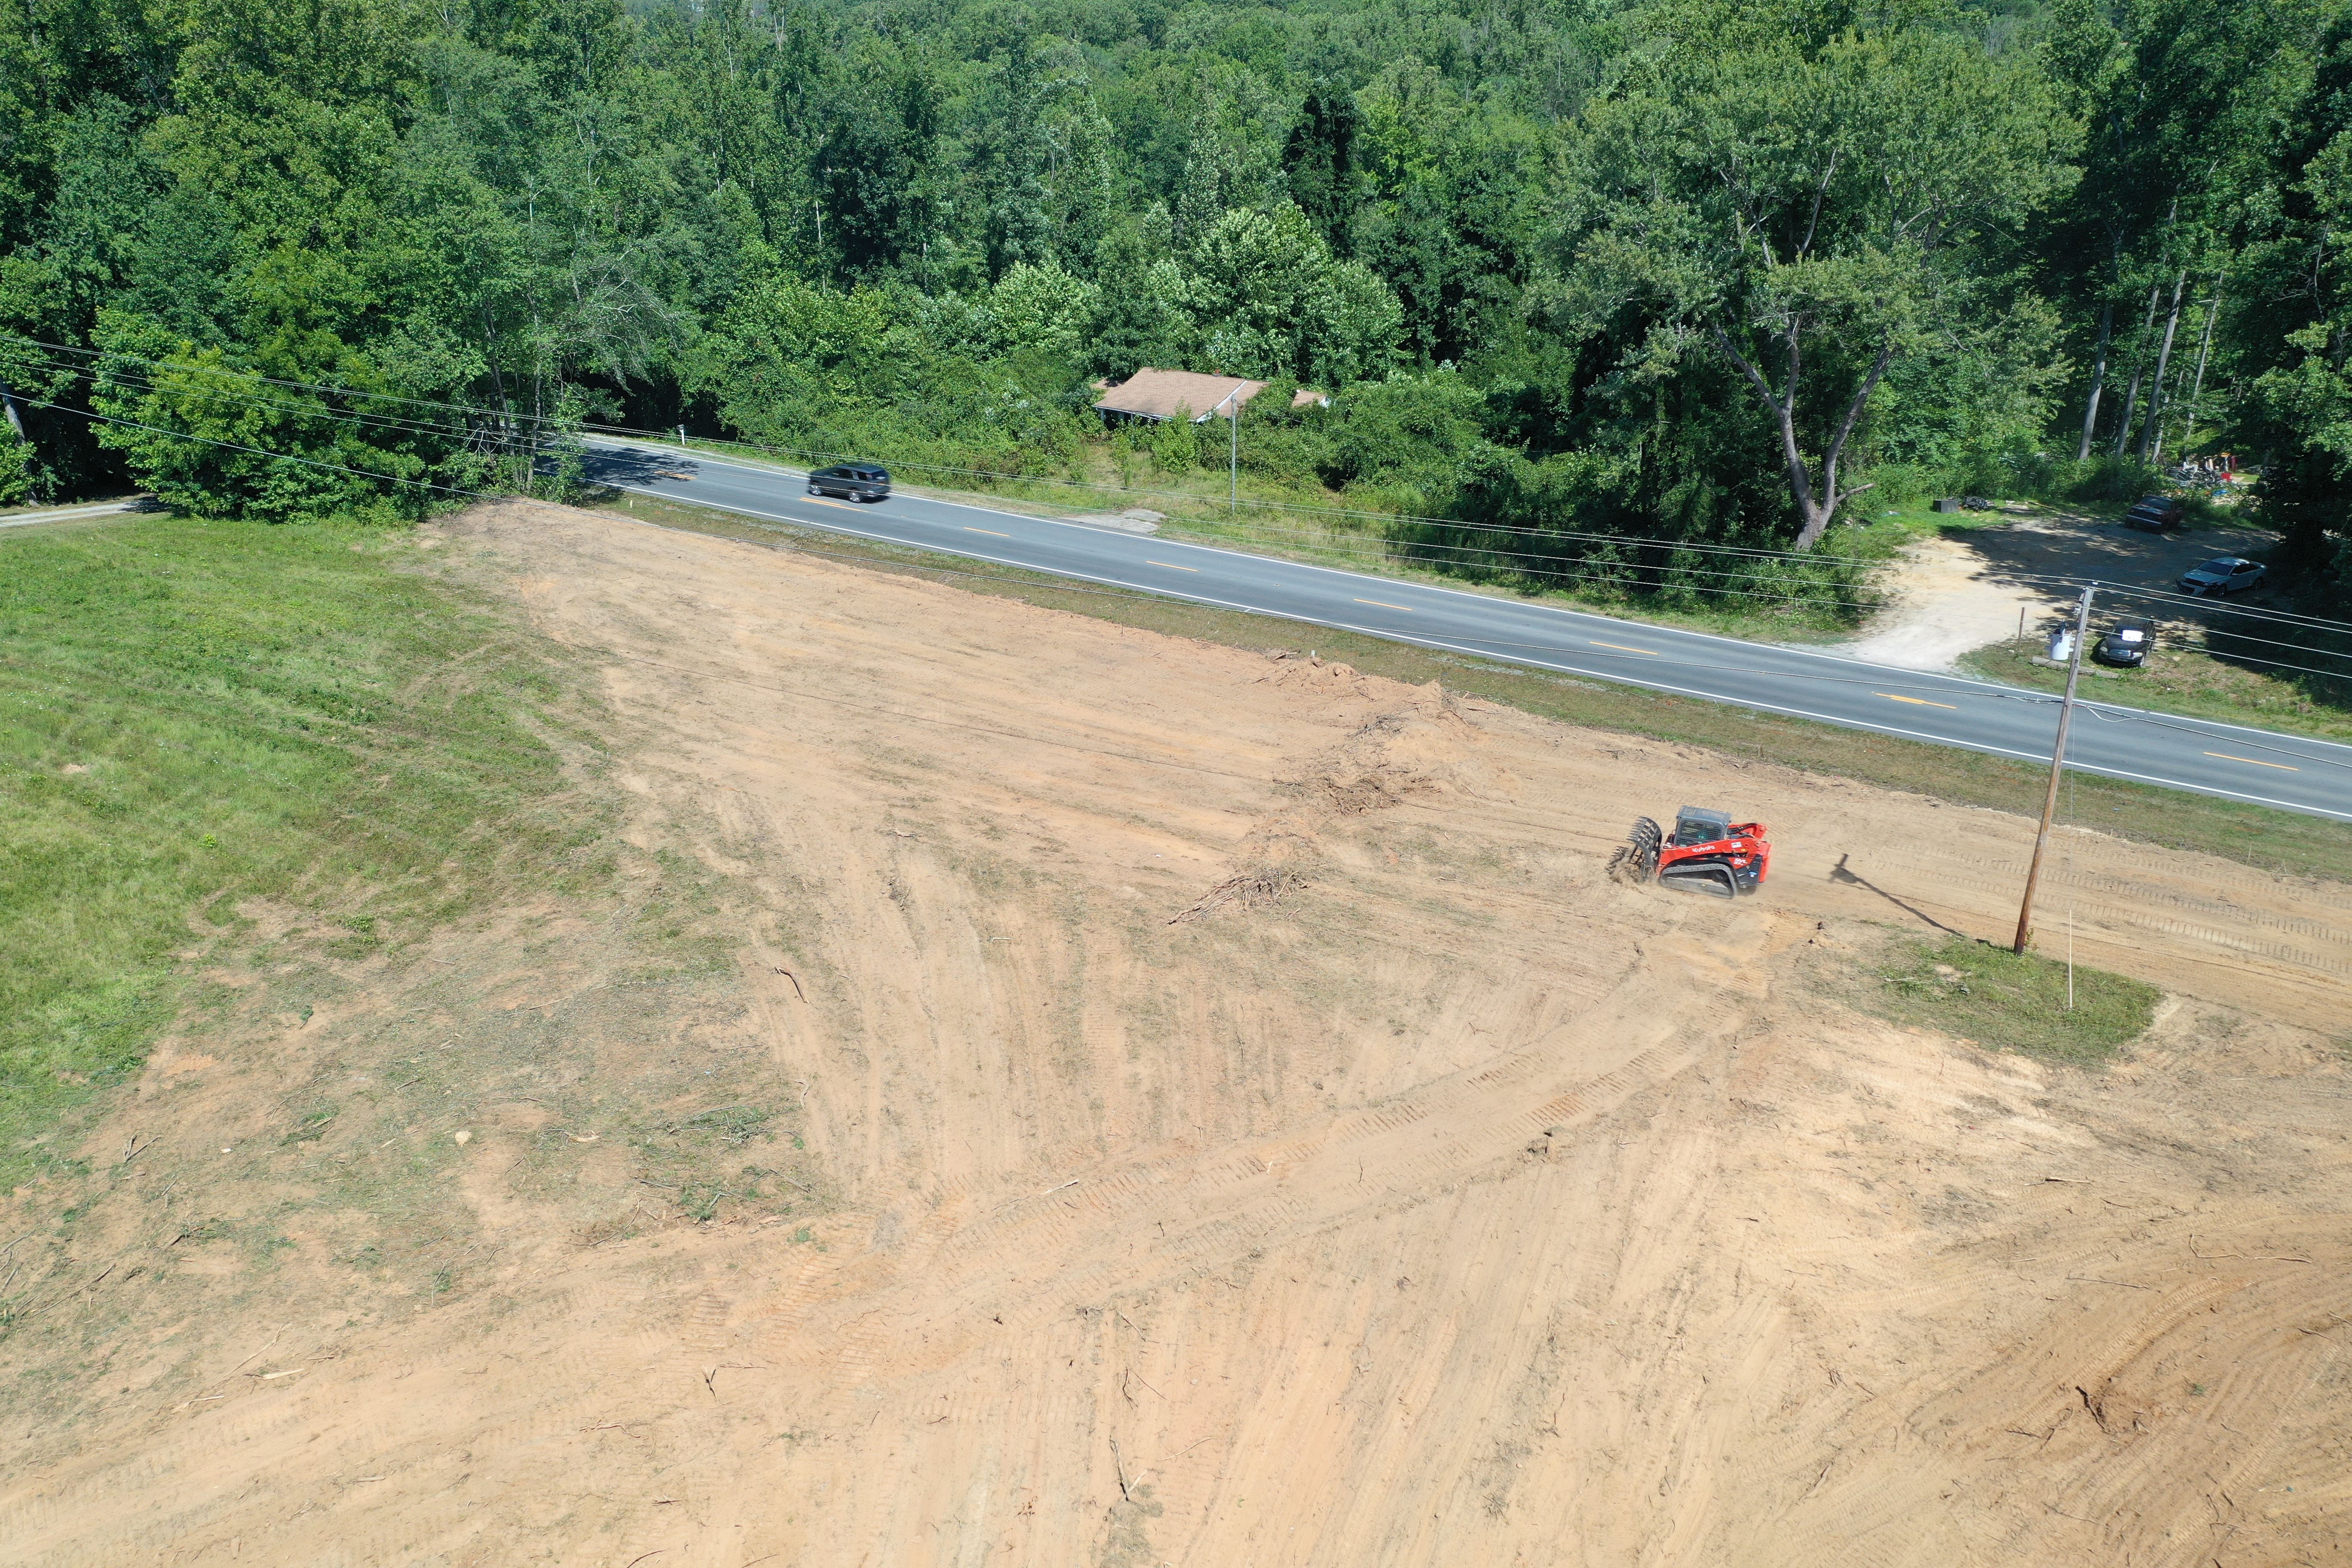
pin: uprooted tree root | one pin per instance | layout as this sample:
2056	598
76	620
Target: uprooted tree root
1254	888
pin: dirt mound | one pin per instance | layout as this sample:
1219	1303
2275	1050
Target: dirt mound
1120	1100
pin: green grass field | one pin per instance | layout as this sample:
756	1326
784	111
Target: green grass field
198	716
2029	1004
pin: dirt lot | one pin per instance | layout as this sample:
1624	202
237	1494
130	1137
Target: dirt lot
1211	1108
1961	589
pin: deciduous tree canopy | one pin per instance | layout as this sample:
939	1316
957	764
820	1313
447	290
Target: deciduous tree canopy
1673	270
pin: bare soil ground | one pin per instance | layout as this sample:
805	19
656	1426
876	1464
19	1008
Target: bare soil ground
1237	1122
1963	589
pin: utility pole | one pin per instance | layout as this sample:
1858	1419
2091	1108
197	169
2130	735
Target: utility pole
2057	770
1233	467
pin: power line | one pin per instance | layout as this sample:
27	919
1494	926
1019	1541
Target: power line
304	386
2073	583
2317	622
1401	551
1581	571
1578	571
2213	632
1161	596
1399	633
1624	582
354	416
2280	664
482	495
449	489
261	452
2112	713
1297	507
1568	574
301	411
514	418
465	435
1406	550
511	416
2124	715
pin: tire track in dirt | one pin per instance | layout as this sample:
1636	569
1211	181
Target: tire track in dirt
1132	1229
2110	1399
2154	893
2206	934
2311	965
1788	1305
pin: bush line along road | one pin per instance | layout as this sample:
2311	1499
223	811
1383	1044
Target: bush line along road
2235	763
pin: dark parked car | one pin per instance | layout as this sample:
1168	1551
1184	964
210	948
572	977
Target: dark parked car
2155	513
2128	642
2222	574
851	481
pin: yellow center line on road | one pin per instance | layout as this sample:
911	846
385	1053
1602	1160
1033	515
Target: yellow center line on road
819	500
1173	567
2256	761
1919	701
1386	605
1621	648
988	531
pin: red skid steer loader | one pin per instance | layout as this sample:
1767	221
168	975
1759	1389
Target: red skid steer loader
1708	853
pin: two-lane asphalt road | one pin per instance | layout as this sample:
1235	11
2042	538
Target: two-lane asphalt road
2235	763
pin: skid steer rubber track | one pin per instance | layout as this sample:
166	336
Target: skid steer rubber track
1709	877
1636	859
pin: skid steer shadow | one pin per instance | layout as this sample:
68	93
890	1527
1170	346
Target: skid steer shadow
1838	873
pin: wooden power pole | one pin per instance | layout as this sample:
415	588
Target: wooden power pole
1234	470
2057	770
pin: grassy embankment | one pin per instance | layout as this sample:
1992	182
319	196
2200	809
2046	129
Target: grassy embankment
2039	1006
202	720
2252	835
2182	676
300	801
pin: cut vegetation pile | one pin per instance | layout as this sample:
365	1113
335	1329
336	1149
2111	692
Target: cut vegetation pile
704	1051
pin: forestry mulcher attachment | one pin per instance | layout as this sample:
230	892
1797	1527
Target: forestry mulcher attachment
1708	853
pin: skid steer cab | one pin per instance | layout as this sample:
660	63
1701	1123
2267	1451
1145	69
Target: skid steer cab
1707	853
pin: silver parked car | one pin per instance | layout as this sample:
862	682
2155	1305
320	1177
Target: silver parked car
2222	574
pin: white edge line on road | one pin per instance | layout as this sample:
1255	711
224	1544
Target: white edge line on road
68	514
1489	599
1843	724
1386	635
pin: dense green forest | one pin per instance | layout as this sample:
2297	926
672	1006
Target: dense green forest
1682	269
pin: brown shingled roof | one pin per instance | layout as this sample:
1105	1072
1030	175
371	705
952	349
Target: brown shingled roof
1151	394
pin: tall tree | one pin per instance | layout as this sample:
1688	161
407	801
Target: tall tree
2297	322
1320	162
1805	209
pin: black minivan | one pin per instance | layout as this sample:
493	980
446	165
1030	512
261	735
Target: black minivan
851	481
